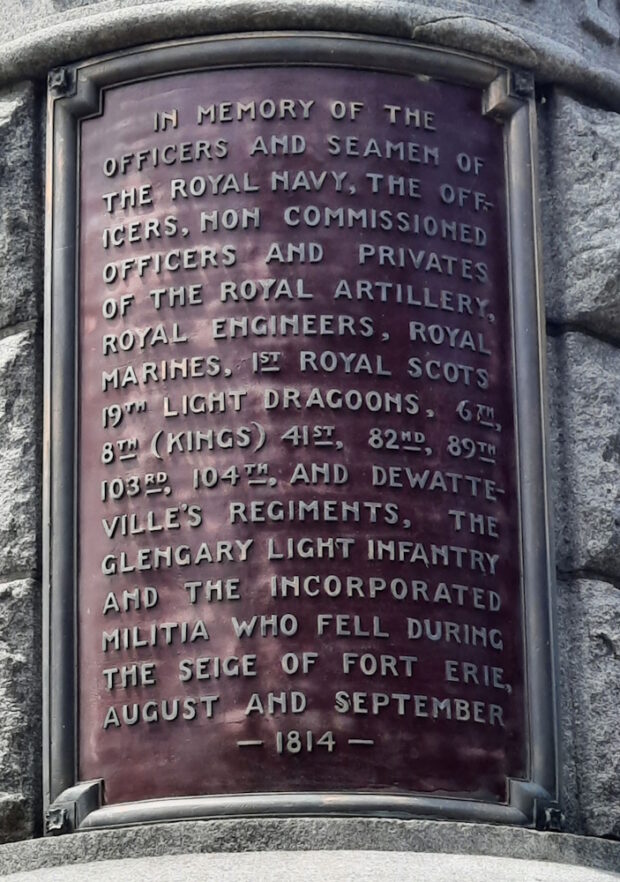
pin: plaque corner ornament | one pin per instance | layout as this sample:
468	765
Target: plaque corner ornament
62	82
508	91
98	684
71	808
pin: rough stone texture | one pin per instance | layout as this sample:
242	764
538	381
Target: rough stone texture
241	835
21	224
589	617
20	596
21	218
585	445
581	181
337	866
552	37
20	700
20	443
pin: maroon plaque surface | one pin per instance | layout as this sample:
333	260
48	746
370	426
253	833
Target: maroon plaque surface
299	561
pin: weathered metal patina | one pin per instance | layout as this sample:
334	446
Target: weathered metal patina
305	327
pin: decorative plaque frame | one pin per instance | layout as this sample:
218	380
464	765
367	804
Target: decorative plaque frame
75	94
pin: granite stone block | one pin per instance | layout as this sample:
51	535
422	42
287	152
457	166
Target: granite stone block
554	37
20	701
312	837
336	866
21	217
581	181
20	455
584	397
589	647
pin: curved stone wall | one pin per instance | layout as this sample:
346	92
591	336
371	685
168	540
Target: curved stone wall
572	47
573	42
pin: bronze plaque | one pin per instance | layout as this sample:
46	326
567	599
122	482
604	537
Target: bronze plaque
298	522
